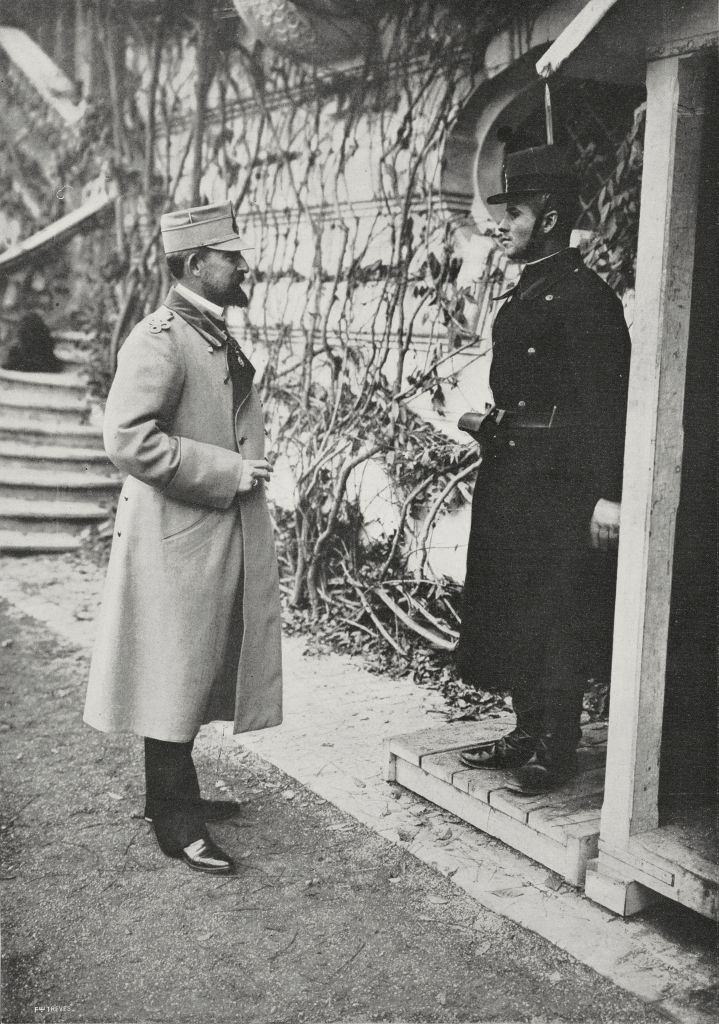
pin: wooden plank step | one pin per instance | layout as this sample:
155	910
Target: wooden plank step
479	814
559	829
576	791
413	745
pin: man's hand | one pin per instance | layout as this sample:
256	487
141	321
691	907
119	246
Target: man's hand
604	527
253	470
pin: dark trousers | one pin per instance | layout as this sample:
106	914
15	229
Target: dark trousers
172	794
549	706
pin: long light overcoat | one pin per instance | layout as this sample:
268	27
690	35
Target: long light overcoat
189	630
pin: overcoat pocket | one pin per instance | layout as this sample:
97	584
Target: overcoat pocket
178	520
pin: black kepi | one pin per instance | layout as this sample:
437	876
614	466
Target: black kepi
534	171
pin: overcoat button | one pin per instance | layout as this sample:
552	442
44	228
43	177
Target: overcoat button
242	440
522	405
531	351
512	444
548	298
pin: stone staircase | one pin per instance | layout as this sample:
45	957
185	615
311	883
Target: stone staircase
55	479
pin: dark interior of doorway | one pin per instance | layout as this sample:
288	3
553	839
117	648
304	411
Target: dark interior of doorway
688	779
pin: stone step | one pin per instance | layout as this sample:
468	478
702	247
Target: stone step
38	484
49	517
74	358
70	435
15	542
30	408
58	412
19	454
46	385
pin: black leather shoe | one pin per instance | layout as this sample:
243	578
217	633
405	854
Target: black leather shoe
212	810
508	752
204	855
538	776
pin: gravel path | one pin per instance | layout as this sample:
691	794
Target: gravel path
325	921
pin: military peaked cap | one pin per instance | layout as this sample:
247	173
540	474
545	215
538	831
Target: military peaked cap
210	227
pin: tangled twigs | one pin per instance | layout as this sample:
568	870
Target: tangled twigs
428	634
384	633
425	612
434	510
406	505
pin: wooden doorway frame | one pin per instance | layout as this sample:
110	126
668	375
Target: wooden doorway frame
631	865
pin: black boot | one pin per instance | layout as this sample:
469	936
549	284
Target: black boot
173	804
547	770
517	747
508	752
555	760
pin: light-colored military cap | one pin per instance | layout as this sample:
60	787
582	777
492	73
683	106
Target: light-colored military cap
212	227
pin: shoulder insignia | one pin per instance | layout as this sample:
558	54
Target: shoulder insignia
160	321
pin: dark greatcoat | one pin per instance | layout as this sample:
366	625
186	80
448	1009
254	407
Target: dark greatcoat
559	339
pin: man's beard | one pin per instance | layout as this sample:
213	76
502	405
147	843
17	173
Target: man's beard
234	295
240	299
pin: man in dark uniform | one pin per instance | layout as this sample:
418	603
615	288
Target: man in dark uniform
541	564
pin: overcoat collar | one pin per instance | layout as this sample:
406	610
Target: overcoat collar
211	330
537	277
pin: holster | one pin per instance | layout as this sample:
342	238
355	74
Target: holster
488	426
483	427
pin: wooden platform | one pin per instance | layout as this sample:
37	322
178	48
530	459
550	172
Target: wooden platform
677	860
559	829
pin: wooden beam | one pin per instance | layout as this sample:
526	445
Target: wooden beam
573	36
676	94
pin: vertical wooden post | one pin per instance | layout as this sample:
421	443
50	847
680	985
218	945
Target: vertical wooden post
676	90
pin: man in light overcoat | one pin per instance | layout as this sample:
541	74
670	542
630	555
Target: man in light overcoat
189	630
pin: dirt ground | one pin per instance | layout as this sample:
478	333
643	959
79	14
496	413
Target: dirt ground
324	921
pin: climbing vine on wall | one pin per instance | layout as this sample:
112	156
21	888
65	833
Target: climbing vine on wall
335	176
613	249
355	301
339	190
